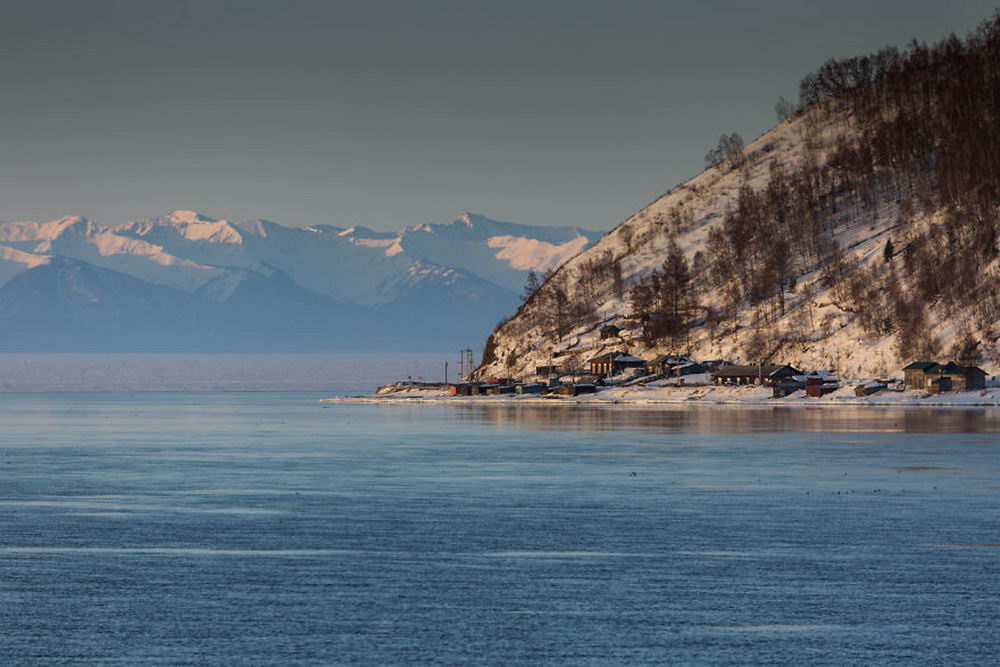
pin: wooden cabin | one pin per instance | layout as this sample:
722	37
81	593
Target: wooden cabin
693	368
921	374
674	366
939	384
613	363
917	374
870	388
666	363
765	374
819	390
964	378
819	385
786	388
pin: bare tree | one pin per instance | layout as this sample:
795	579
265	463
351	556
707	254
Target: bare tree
728	153
784	109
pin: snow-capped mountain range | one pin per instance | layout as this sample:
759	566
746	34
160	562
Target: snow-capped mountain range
185	281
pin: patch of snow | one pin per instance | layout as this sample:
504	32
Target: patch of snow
527	254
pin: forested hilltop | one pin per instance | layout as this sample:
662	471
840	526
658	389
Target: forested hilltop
857	235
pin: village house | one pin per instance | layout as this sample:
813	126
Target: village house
869	388
613	363
916	374
964	378
786	387
923	375
674	366
818	385
936	385
766	374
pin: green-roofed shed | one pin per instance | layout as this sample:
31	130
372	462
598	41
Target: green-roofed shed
916	374
963	378
922	375
921	365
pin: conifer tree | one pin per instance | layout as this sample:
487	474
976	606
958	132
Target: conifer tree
530	286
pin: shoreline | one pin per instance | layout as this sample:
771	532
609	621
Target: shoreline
694	396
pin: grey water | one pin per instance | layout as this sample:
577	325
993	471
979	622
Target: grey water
193	528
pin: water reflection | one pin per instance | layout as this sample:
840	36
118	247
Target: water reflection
732	419
401	534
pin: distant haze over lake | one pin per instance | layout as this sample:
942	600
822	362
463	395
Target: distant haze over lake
330	373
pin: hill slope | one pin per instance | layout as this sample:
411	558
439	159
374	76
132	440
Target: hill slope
858	235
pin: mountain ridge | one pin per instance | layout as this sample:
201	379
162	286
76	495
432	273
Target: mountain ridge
354	276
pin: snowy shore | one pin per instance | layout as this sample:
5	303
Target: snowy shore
700	395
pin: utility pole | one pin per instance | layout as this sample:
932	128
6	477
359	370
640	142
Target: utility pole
466	363
446	371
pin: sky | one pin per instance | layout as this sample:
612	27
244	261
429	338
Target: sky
386	114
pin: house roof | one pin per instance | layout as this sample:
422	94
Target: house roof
621	357
690	364
951	368
921	366
671	359
766	370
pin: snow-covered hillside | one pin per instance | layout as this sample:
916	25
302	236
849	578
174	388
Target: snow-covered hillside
451	281
857	236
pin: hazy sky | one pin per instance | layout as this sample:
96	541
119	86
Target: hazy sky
389	113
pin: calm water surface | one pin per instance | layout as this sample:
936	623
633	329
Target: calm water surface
268	528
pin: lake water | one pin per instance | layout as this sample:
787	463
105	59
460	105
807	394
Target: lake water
269	528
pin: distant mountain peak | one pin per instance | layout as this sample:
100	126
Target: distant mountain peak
68	220
360	232
467	219
185	216
226	277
